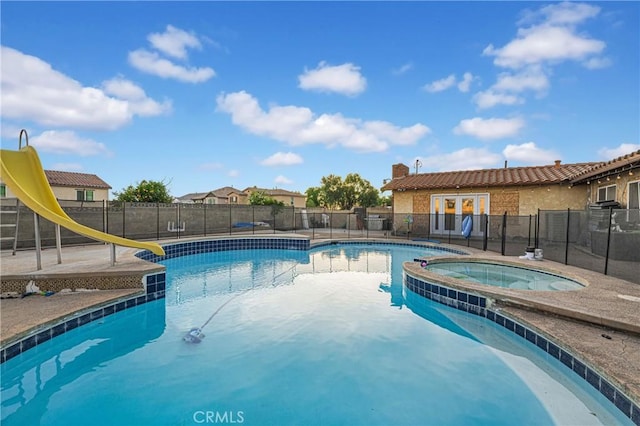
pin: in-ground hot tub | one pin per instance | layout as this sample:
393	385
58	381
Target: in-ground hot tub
501	275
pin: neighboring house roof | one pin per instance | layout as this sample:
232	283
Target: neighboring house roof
193	196
76	180
511	176
617	165
224	191
275	192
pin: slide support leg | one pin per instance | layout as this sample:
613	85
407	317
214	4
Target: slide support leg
36	225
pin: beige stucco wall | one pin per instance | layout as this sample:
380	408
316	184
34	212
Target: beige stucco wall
68	193
518	201
403	202
297	201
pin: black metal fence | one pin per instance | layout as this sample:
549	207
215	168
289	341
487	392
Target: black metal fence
602	240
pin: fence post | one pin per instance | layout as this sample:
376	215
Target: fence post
204	213
566	243
124	222
529	233
485	239
606	256
537	232
157	221
330	224
104	216
230	219
253	219
178	221
504	232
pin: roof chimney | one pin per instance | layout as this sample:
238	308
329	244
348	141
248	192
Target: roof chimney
557	165
399	170
505	164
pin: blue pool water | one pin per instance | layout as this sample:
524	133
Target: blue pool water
506	276
324	337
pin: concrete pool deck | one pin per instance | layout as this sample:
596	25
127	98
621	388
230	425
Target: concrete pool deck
600	323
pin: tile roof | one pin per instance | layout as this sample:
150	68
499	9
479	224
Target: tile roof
275	191
78	180
619	164
511	176
193	196
224	191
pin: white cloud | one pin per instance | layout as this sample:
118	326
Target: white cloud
440	85
283	180
464	159
68	167
508	85
67	142
597	63
491	128
465	84
233	173
489	98
300	126
174	42
544	44
282	159
345	79
565	13
450	81
546	37
152	63
529	153
32	90
552	38
532	78
211	166
618	151
139	103
403	69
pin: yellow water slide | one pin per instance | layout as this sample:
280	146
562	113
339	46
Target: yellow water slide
22	172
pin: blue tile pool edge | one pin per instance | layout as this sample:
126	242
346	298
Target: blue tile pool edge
477	305
154	285
187	248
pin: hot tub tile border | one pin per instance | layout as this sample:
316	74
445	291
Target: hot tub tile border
477	305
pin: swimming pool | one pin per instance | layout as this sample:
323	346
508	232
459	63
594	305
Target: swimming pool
501	275
328	336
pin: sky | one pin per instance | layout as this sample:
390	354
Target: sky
202	95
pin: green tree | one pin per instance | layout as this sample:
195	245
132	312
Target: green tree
259	198
359	192
343	194
332	192
313	194
386	200
146	191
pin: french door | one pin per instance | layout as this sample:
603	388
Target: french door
448	212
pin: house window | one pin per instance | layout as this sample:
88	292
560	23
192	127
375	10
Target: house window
234	199
3	190
84	195
607	193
